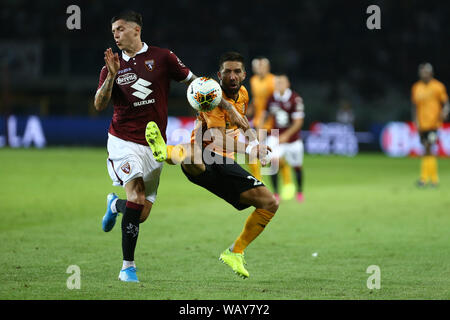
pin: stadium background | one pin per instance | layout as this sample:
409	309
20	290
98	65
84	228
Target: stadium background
358	211
324	46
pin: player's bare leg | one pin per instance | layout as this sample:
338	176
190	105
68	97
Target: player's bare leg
260	198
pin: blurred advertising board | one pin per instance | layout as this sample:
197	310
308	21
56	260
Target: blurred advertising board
401	139
396	139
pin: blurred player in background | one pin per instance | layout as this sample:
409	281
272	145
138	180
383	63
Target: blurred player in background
137	81
286	109
218	172
430	108
262	85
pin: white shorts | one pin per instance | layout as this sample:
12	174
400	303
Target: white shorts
292	152
128	160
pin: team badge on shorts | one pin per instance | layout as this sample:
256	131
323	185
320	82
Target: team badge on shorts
126	168
150	64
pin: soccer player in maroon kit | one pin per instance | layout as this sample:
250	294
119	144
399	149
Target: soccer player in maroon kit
286	108
138	83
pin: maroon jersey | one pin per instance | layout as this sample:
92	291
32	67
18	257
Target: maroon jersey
284	109
141	89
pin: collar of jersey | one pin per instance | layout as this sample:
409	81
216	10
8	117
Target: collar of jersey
285	97
144	49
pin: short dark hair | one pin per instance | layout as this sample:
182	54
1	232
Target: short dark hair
426	65
261	57
231	56
130	16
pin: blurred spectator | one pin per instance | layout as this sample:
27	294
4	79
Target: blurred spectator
345	113
312	41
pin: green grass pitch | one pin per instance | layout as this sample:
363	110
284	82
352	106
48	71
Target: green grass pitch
358	212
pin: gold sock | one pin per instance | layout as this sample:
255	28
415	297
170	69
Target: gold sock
433	169
286	173
255	170
255	224
424	169
175	154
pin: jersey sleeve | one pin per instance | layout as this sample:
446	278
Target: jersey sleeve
177	70
298	108
103	75
215	118
443	96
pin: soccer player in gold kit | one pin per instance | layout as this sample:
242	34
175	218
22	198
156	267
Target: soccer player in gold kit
430	108
208	161
262	85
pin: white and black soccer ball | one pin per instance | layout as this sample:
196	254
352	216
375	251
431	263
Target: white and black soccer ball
204	94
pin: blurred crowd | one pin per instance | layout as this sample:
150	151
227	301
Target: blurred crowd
324	47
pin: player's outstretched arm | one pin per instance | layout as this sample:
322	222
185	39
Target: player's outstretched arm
103	94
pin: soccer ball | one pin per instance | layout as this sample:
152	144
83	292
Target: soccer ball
204	94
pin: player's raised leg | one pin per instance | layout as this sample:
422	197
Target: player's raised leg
156	141
161	152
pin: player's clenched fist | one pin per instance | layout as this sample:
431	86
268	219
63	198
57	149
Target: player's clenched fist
112	62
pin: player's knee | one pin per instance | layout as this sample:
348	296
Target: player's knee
260	198
269	202
272	204
137	197
136	191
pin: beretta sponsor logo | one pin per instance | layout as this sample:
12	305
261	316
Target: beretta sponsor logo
126	78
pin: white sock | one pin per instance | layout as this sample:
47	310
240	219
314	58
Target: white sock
127	264
113	206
